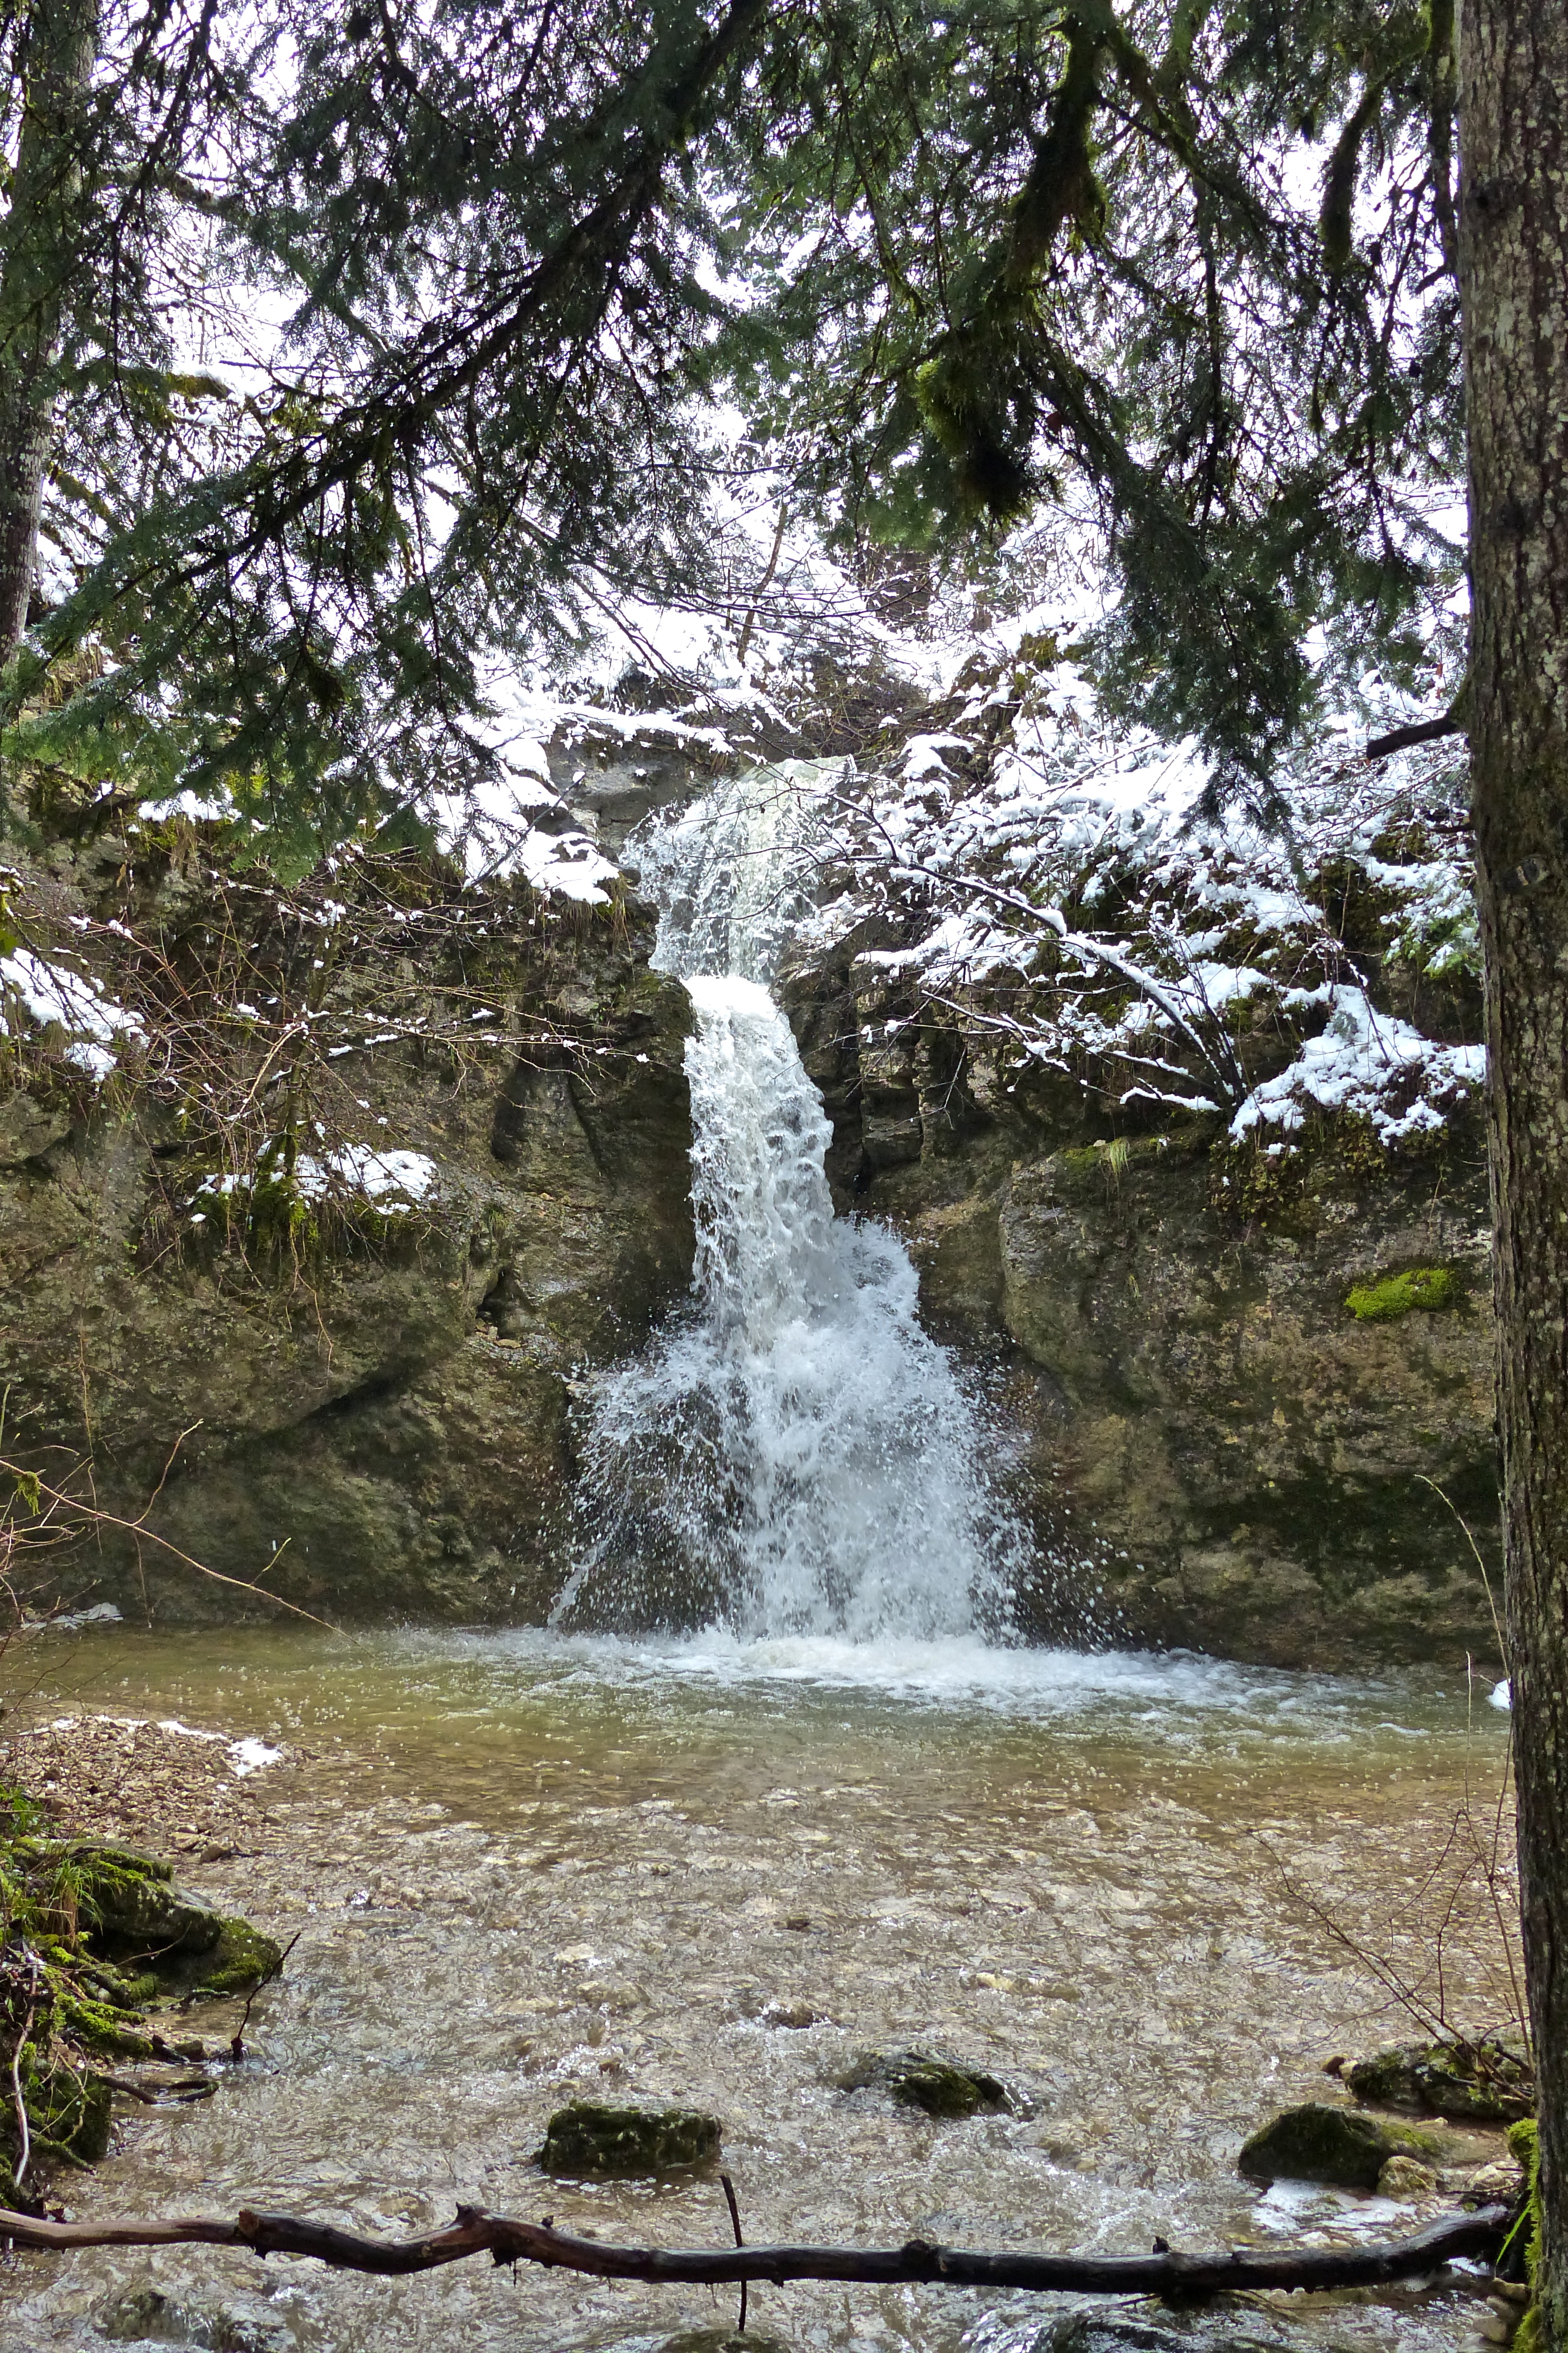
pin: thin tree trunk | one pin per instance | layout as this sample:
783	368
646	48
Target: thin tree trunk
37	252
1514	279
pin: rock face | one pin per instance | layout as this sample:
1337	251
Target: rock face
1238	1377
385	1393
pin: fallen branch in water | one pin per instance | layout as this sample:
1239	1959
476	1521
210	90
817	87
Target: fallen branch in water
475	2233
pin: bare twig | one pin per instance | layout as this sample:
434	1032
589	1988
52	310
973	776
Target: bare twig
729	2189
237	2045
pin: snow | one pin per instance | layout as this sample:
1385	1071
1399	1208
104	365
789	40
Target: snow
393	1180
52	993
490	830
1073	901
1353	1065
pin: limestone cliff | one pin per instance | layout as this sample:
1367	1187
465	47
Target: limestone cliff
1234	1372
220	1249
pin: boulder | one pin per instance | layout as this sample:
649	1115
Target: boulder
146	2314
919	2079
1486	2081
241	1959
1344	2147
130	1900
590	2137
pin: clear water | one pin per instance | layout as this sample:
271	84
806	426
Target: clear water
524	1867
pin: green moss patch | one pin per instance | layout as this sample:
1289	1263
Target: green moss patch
917	2079
1427	1289
1486	2082
590	2137
1343	2146
241	1959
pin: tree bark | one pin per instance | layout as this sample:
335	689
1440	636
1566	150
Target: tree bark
38	251
1514	282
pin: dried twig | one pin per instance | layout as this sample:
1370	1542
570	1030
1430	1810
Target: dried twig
729	2189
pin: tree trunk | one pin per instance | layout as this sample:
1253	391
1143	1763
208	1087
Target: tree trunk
1514	279
39	249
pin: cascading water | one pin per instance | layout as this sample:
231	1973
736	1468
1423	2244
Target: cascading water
793	1455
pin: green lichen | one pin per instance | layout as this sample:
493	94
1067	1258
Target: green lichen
1428	1289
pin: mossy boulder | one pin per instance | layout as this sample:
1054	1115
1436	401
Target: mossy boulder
242	1959
130	1900
919	2079
1486	2082
1344	2147
590	2137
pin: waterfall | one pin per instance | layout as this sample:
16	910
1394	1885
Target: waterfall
793	1455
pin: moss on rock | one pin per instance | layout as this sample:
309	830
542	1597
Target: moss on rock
242	1959
917	2079
590	2137
1489	2082
1428	1289
1344	2147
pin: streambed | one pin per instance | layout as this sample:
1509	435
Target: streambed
526	1867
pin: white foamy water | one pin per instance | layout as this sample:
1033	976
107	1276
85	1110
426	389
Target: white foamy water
795	1456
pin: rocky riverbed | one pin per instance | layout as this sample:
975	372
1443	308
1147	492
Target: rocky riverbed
523	1877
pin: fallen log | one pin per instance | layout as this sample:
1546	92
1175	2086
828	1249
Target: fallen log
475	2231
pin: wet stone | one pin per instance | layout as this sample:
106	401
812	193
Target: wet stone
591	2137
919	2079
147	2317
1344	2147
1486	2082
1157	2329
1405	2176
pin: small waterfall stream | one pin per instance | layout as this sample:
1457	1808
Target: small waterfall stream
793	1455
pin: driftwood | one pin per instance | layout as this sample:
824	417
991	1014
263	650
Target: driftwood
477	2232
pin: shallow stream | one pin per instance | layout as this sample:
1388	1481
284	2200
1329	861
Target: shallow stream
525	1867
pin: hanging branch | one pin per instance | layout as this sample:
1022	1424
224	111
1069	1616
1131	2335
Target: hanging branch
476	2232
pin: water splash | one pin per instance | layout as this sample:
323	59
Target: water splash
794	1455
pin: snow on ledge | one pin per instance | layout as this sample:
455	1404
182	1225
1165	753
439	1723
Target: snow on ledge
75	1002
1353	1065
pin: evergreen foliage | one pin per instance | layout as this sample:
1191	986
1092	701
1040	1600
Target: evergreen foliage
494	267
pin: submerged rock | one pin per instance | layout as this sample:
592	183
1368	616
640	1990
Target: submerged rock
589	2137
1486	2082
1342	2146
146	2315
692	2340
1210	2330
917	2079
